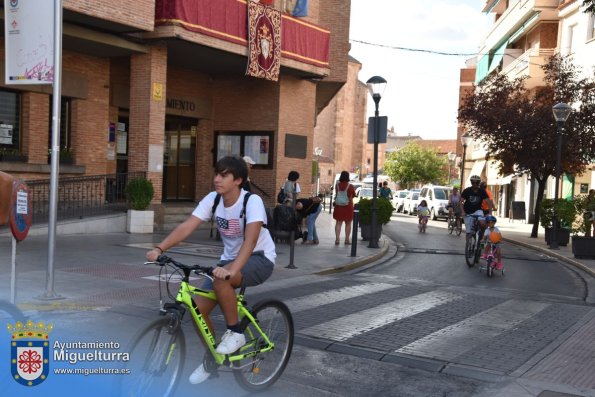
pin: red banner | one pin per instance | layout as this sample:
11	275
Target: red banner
264	41
227	20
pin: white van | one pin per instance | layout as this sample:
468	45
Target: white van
437	199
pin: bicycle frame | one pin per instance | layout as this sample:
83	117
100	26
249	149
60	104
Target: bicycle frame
184	297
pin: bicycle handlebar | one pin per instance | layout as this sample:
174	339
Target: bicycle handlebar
163	260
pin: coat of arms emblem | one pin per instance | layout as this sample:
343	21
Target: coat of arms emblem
29	349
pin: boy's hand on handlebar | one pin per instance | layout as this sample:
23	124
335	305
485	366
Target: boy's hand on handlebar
222	273
153	255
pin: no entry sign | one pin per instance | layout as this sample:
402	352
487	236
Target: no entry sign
20	211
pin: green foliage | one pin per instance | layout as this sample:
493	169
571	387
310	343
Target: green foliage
414	164
589	6
583	206
139	193
385	210
566	211
9	152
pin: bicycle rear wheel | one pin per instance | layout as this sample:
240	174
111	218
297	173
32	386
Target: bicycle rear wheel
470	250
157	357
459	226
263	369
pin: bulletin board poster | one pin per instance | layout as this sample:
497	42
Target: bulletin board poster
28	35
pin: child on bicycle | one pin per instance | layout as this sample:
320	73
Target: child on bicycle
248	250
454	207
423	213
492	236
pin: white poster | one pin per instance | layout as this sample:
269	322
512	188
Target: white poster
28	34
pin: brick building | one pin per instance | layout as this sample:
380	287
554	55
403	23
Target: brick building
157	87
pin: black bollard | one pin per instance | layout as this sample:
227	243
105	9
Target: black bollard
355	226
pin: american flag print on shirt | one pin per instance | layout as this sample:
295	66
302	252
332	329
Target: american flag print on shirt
229	228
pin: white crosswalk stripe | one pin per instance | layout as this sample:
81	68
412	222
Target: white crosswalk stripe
452	341
345	327
336	295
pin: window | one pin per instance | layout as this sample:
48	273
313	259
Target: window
65	138
10	110
591	27
257	145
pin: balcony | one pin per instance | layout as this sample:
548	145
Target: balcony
528	64
521	15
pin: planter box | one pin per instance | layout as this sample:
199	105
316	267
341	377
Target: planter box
563	236
13	158
583	247
140	221
366	231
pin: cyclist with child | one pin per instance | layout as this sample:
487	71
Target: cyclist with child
470	204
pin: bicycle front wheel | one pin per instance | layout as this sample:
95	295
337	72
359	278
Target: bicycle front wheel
470	250
459	227
261	370
157	356
451	225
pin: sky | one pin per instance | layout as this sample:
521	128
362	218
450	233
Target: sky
422	91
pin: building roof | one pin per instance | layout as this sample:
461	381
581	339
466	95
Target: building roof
441	146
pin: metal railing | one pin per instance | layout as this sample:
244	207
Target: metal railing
80	197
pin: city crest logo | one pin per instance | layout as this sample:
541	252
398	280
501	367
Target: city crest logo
29	352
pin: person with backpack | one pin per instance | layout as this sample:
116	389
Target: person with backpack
343	210
290	187
248	250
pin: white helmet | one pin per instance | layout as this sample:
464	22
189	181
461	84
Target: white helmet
475	178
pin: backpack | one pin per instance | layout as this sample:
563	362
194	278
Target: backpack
243	213
342	198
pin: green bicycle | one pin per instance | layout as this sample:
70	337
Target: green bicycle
157	352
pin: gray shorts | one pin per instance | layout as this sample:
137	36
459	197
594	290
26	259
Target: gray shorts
256	271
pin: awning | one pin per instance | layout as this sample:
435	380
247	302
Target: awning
481	71
475	170
501	181
497	56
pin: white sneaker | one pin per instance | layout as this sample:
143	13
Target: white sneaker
199	375
230	342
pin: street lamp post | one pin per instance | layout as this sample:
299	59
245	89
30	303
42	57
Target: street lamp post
561	112
451	158
376	87
318	153
465	140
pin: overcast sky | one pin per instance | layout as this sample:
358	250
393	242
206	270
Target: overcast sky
421	97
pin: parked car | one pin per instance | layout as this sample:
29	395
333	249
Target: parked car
437	199
366	192
399	199
411	203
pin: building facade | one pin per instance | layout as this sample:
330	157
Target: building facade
160	87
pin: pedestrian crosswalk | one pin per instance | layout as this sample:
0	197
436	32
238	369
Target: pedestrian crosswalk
419	319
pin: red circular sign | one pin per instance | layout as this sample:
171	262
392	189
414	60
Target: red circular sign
20	211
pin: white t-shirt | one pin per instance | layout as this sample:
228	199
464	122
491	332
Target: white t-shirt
231	227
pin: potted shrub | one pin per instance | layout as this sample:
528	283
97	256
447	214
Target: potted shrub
139	193
583	247
385	211
12	155
566	212
65	157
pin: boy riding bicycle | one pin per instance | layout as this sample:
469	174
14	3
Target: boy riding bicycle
248	250
492	235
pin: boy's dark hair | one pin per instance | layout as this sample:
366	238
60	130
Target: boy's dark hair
344	177
233	165
293	176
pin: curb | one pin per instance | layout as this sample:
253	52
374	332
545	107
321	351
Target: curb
358	263
562	258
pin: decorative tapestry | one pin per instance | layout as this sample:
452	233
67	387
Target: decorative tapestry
264	41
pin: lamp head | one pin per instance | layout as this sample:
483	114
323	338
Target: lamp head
561	112
318	151
451	156
376	86
466	139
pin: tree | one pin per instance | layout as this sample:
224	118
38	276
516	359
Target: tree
589	6
414	164
518	128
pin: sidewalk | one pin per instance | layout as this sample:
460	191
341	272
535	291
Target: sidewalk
79	255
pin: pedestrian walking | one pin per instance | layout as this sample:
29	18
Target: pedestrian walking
343	210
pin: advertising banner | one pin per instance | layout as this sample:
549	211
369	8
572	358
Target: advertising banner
28	34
